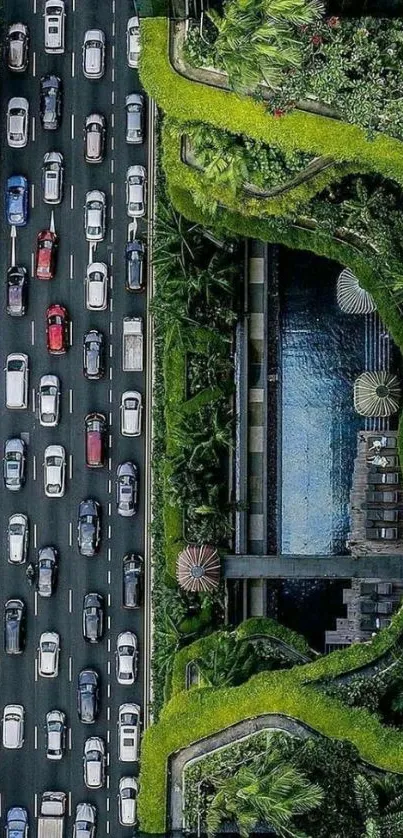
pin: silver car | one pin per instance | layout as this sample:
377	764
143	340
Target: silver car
133	41
54	471
55	734
55	17
131	409
96	287
17	47
94	215
17	538
134	118
94	54
94	762
52	177
127	801
136	178
126	658
49	401
48	654
13	726
17	122
85	821
127	489
128	732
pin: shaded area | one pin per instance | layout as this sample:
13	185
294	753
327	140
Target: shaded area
307	606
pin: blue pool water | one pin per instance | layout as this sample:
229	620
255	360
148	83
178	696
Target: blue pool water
322	353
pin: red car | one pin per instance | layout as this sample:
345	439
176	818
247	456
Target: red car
57	329
45	258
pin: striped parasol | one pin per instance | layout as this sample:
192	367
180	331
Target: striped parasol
198	568
377	393
353	299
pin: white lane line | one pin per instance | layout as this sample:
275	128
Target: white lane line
110	350
109	690
112	187
113	6
35	535
110	439
113	97
32	195
111	235
70	668
108	803
109	577
112	120
70	534
109	668
109	486
111	285
72	196
109	649
74	5
34	467
33	332
112	143
36	603
73	59
111	328
109	554
36	737
113	29
70	401
32	265
70	600
71	333
33	400
69	804
113	70
112	166
109	621
111	213
110	396
113	52
108	827
70	466
36	669
72	126
111	258
71	265
34	64
33	129
110	371
109	509
109	604
69	738
36	805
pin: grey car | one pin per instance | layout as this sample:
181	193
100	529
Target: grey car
127	489
134	106
55	734
47	571
17	538
14	464
85	820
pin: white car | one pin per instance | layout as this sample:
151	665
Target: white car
128	732
17	537
55	734
48	654
136	178
17	47
126	658
94	215
133	41
17	372
54	471
127	801
131	409
17	122
94	54
85	821
55	17
49	401
13	726
96	287
94	762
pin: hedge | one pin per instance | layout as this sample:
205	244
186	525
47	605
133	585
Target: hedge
189	101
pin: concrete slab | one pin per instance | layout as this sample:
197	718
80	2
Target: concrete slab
255	439
255	394
256	270
256	321
256	527
255	414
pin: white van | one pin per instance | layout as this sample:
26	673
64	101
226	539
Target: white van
128	732
54	26
17	381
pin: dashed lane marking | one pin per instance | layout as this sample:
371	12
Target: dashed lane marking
35	535
71	265
70	466
72	196
32	195
33	400
70	600
109	554
73	61
33	129
36	603
34	64
34	467
70	534
109	577
33	332
70	668
36	737
70	401
72	126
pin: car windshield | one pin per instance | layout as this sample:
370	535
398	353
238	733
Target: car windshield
126	650
49	390
54	461
55	320
15	366
17	112
17	529
49	646
129	719
128	794
13	457
54	727
136	180
46	243
131	404
15	192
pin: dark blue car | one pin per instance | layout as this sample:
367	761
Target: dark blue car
17	201
17	823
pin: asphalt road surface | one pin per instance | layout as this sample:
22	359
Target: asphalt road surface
26	773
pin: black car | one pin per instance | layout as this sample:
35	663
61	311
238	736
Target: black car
132	581
93	617
47	571
94	354
89	527
50	106
135	252
88	696
17	288
14	627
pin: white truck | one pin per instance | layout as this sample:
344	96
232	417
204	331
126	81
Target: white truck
132	344
52	814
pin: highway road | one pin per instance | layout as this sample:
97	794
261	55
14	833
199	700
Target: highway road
26	773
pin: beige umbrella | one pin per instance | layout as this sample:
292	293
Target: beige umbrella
377	393
353	299
198	568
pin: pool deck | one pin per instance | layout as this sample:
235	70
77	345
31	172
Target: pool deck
379	567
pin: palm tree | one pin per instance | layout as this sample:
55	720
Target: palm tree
360	207
230	663
268	790
377	823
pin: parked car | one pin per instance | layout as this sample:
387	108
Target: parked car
85	821
127	489
134	105
14	464
94	355
50	104
95	439
94	138
17	538
128	732
17	822
54	471
88	696
55	734
136	178
126	658
55	17
89	527
17	46
93	617
52	177
14	626
94	54
17	122
57	329
47	571
13	726
48	654
45	256
94	762
127	801
96	287
132	581
135	254
131	409
49	401
17	371
17	291
94	215
17	201
133	41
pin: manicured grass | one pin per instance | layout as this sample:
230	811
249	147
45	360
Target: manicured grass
188	101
